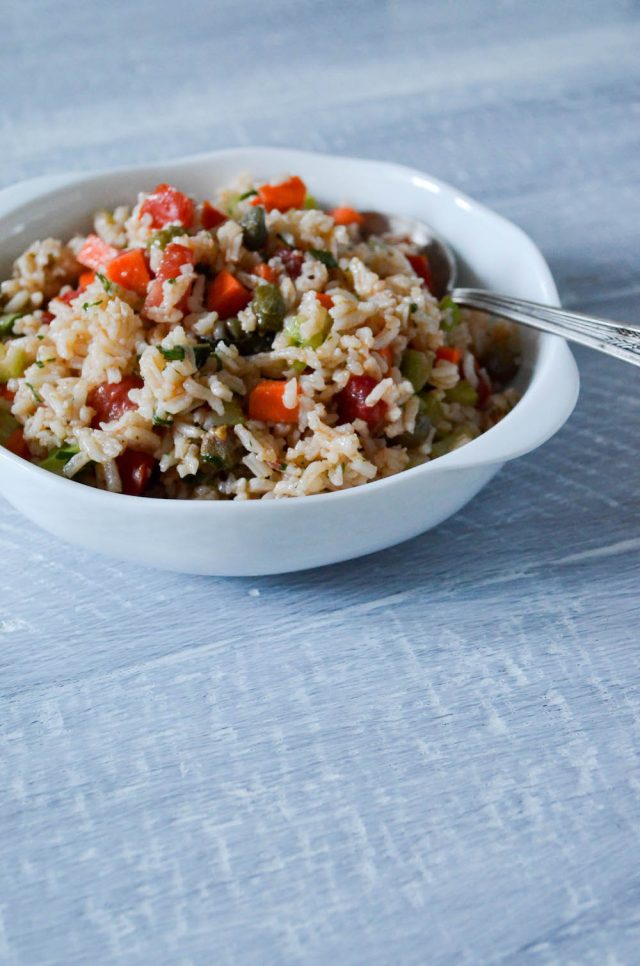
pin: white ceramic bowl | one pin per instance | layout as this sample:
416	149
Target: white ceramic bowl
265	536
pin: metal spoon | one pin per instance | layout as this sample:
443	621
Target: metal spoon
613	338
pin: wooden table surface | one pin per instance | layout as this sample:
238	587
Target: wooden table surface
428	756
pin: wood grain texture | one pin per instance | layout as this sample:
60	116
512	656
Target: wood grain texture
426	756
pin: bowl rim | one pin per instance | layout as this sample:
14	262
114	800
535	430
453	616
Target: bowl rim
553	360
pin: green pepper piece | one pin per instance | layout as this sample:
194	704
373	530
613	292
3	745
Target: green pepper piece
463	393
416	368
421	430
57	459
254	229
451	313
323	256
232	416
459	436
7	322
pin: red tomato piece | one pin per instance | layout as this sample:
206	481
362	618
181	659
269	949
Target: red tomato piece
168	206
292	260
96	253
69	296
111	399
421	267
351	401
210	216
18	444
175	256
47	317
135	468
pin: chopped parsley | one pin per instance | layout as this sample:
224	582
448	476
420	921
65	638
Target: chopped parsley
7	321
177	353
323	256
161	420
36	395
89	305
201	354
248	194
106	284
413	307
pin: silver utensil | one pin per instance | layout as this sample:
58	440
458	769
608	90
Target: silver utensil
613	338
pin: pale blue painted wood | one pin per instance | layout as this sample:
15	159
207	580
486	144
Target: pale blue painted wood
427	756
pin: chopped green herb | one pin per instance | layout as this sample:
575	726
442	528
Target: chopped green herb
201	354
176	353
40	338
413	307
310	203
284	240
58	458
40	363
90	305
171	281
323	256
248	194
36	394
161	421
106	284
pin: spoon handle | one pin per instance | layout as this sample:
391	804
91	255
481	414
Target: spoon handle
604	335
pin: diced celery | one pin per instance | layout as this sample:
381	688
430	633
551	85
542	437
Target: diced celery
292	329
13	362
433	408
459	436
451	313
416	368
7	321
298	366
232	415
57	459
463	393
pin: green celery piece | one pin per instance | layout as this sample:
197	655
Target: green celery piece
298	366
463	393
7	321
232	416
459	436
57	459
8	424
292	329
451	313
13	362
416	368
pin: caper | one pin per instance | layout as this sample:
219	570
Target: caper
269	308
220	449
247	343
254	229
163	236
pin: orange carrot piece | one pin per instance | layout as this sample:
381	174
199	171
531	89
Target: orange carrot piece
450	353
288	194
86	278
266	272
266	403
96	253
387	355
18	444
347	216
226	295
130	270
325	300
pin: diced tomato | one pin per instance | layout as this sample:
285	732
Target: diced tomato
226	295
168	206
292	260
69	296
174	257
18	444
130	270
420	265
210	216
325	300
135	469
111	399
96	253
6	393
351	402
450	353
47	317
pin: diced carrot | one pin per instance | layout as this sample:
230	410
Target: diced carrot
288	194
210	216
96	253
450	353
346	216
325	300
266	272
387	355
226	295
18	444
86	278
421	267
266	403
130	270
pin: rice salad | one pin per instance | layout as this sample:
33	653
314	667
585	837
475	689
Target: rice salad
254	346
